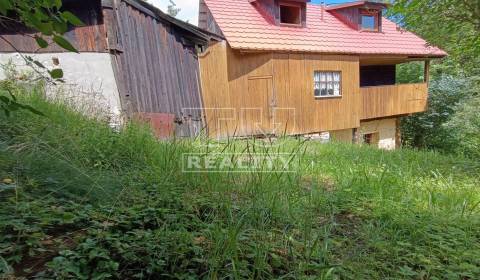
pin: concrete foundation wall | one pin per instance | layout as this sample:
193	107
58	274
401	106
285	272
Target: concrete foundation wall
89	86
386	129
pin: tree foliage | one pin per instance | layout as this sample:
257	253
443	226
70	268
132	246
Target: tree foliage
172	9
453	25
51	22
465	127
411	72
427	130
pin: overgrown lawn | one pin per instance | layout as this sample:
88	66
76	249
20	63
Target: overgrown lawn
79	200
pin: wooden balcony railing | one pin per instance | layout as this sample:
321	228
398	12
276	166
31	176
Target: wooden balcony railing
393	100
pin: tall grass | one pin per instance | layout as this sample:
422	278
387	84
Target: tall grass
93	202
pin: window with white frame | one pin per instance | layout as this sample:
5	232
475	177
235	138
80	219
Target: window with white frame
327	83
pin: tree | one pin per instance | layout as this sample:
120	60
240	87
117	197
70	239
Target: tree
50	21
172	9
453	25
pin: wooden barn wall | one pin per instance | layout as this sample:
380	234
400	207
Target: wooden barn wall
157	72
89	38
280	87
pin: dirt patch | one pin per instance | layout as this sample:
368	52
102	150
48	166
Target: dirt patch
32	265
325	182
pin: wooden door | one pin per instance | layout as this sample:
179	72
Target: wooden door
256	112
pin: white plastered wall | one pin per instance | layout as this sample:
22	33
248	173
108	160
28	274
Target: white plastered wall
89	86
386	130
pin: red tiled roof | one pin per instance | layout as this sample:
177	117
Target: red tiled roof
246	29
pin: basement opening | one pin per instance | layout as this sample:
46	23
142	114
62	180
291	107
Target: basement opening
290	15
371	139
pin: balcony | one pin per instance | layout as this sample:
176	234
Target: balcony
393	100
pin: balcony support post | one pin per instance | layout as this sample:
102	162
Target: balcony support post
426	74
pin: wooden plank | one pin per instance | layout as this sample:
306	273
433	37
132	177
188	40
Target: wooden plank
215	90
426	74
129	61
159	58
394	100
296	108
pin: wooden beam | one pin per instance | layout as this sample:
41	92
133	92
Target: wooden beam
426	74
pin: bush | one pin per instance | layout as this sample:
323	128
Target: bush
465	127
427	130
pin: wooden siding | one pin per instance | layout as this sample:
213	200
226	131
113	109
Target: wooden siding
291	107
219	108
394	100
157	71
89	38
349	16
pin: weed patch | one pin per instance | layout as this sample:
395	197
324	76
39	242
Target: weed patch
84	201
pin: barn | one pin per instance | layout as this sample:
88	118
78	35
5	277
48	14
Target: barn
134	60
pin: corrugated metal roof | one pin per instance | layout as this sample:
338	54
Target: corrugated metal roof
246	29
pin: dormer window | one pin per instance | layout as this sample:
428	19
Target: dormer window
369	20
290	14
360	15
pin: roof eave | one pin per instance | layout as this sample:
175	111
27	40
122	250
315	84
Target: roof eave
420	56
354	4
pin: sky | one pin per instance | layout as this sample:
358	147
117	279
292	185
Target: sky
189	8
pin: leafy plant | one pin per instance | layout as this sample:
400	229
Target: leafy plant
9	100
88	202
465	127
453	25
427	130
172	9
51	22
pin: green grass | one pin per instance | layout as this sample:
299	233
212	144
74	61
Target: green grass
91	203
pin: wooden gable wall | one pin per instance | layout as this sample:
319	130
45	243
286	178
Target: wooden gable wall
263	93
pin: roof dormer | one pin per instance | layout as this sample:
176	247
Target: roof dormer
360	15
290	13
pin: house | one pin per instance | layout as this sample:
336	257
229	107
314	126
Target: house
296	68
133	60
